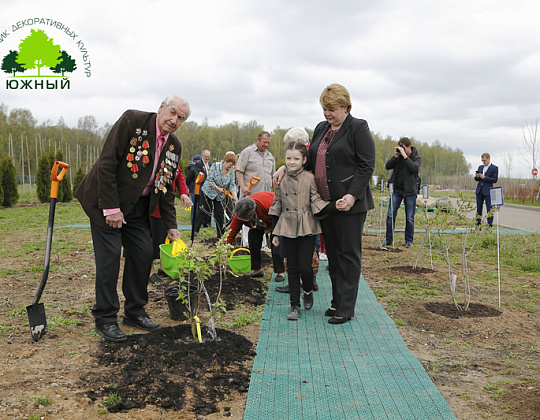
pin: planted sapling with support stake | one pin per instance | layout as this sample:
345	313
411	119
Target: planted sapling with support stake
194	268
197	267
455	237
428	221
221	255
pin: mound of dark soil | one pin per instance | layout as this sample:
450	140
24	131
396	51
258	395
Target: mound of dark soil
234	290
168	369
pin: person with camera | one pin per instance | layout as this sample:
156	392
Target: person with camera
405	166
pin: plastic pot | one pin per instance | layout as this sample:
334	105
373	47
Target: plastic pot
177	307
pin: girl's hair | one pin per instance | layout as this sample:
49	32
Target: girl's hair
297	145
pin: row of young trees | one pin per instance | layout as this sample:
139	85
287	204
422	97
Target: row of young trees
25	141
9	194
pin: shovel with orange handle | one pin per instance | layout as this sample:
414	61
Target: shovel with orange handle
36	311
252	181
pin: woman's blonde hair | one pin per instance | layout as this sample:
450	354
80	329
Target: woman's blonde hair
334	96
230	157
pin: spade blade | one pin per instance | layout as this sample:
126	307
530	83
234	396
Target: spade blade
37	320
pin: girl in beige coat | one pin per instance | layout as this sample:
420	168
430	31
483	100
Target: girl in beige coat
296	201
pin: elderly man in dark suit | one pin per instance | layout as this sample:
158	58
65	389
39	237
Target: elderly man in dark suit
133	175
486	175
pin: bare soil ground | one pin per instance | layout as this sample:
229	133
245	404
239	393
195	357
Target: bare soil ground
485	362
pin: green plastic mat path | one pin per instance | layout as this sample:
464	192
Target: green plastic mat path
309	369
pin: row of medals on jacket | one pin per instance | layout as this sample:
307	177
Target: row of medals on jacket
165	174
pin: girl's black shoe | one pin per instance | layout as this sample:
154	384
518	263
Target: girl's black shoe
308	301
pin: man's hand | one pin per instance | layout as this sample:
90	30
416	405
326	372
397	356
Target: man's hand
245	191
173	234
345	203
115	220
401	151
186	201
275	241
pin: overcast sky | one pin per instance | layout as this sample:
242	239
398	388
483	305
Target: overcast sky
463	72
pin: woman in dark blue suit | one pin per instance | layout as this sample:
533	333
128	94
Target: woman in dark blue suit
342	158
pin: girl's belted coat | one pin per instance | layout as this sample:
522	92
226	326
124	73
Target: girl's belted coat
296	201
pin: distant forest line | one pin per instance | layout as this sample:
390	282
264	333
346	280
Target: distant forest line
25	140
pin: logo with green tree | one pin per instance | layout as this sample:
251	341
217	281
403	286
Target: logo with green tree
37	51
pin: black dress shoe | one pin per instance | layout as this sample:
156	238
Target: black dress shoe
155	279
335	320
308	301
111	332
142	322
251	275
282	289
330	312
280	277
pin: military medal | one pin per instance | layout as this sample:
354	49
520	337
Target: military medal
137	150
134	169
166	171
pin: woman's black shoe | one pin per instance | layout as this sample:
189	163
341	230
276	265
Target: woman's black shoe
282	289
330	312
335	321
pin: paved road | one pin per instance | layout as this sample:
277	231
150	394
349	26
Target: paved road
519	217
515	216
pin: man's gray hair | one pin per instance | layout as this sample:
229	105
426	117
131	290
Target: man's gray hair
297	133
171	98
245	207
